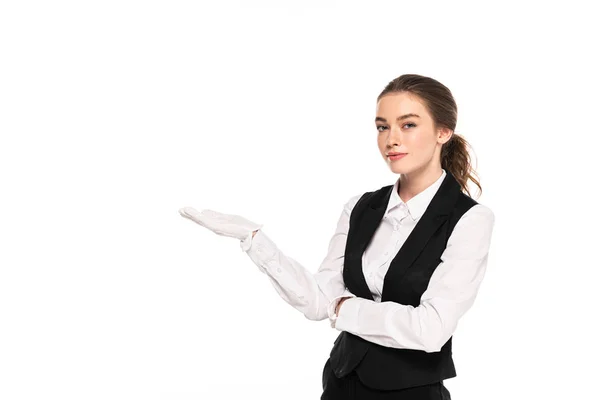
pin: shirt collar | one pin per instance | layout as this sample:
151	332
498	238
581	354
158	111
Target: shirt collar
418	204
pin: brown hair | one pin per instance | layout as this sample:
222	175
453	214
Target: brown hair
438	100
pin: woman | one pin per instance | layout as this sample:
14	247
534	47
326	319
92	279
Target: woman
405	262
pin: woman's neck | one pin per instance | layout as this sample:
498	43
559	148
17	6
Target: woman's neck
414	183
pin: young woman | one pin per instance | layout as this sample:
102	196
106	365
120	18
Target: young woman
405	262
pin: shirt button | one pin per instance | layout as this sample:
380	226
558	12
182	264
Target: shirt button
278	269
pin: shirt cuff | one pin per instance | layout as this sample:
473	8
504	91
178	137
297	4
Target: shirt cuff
246	243
263	252
348	315
333	304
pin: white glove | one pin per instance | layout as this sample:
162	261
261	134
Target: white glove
230	225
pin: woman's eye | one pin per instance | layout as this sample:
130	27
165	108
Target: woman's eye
408	123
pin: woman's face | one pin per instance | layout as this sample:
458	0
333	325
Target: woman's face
405	126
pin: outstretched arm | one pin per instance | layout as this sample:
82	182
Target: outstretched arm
308	292
313	294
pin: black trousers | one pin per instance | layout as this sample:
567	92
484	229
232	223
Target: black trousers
351	388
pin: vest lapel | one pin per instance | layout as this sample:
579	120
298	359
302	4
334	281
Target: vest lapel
436	213
367	225
434	216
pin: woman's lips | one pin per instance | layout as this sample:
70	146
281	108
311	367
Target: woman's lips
396	156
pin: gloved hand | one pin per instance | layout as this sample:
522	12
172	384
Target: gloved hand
230	225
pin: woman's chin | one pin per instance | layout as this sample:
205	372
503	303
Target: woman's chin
397	167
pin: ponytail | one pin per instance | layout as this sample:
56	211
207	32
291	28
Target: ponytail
457	160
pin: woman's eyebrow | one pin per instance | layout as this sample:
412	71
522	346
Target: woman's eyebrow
397	119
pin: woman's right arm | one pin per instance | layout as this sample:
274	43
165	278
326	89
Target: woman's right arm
310	293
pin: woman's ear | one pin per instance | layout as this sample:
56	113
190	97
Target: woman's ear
444	135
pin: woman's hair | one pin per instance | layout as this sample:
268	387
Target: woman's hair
438	100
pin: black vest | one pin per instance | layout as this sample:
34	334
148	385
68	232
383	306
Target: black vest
407	278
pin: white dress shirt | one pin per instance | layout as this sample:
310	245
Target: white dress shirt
451	291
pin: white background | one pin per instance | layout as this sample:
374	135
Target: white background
115	114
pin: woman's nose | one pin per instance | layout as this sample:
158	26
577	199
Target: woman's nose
394	137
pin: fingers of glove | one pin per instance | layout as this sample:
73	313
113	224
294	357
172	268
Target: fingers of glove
204	218
227	222
204	215
191	213
213	220
232	225
225	219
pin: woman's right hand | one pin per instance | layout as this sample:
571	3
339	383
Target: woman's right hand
230	225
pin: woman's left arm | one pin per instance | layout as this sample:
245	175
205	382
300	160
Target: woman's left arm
451	292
